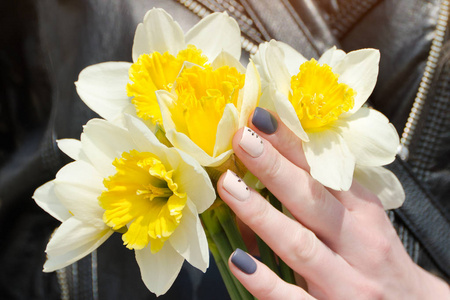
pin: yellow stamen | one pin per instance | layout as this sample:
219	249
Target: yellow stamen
203	94
143	198
317	97
156	71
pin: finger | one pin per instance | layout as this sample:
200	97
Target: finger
260	281
271	128
307	200
294	243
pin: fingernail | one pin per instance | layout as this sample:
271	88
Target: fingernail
243	261
234	185
264	121
251	142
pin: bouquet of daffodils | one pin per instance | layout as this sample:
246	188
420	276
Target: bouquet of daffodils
147	169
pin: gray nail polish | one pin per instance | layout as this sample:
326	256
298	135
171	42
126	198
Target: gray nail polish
264	121
243	261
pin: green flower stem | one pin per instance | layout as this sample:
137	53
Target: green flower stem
228	222
222	265
267	256
286	272
220	240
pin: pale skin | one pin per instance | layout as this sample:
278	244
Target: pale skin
341	243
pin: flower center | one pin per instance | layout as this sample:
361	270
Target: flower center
203	94
317	97
142	198
156	71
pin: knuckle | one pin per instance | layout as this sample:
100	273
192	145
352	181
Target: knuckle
305	246
272	167
260	214
372	292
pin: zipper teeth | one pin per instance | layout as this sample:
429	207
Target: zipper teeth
424	86
202	11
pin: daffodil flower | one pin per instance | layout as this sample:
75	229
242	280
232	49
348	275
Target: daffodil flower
124	180
160	49
321	102
207	106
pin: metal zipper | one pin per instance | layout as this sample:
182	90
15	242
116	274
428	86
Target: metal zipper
427	77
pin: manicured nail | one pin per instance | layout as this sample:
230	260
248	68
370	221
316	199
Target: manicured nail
251	142
243	261
264	121
236	186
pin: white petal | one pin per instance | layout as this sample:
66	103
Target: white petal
251	94
382	183
159	270
78	186
214	33
331	162
72	241
193	180
259	58
226	59
292	58
332	57
359	70
184	143
45	197
103	88
227	127
143	138
370	137
189	239
166	101
103	142
287	114
278	71
71	147
159	32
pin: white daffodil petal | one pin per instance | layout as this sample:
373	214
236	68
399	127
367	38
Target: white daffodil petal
331	162
278	72
184	143
215	33
78	186
103	88
292	58
46	198
72	241
370	137
286	112
166	101
159	32
359	70
194	180
382	183
143	138
252	91
103	142
159	270
226	59
332	57
259	58
189	239
71	147
228	125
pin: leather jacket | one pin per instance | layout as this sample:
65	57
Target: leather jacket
47	43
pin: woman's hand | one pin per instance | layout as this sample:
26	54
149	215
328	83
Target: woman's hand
342	243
